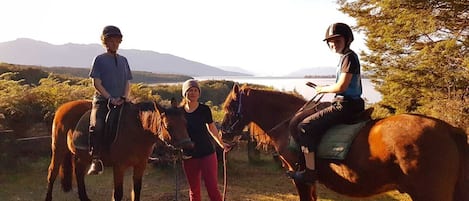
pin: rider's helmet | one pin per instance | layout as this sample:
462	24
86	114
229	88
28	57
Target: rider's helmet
339	29
110	30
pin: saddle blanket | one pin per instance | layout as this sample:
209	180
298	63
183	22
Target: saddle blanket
336	142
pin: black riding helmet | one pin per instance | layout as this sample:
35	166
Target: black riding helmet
339	29
110	30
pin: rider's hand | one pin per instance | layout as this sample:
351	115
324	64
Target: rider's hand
116	101
320	90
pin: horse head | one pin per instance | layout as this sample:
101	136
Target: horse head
235	118
169	125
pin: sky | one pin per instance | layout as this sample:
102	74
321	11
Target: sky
265	37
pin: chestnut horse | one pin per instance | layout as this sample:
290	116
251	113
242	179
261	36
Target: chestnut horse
141	125
418	155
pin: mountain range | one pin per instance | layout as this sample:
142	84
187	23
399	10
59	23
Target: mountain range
32	52
26	51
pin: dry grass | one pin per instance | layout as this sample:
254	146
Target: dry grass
263	181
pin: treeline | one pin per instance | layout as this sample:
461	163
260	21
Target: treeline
418	55
30	95
35	73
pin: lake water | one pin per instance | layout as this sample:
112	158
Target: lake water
289	84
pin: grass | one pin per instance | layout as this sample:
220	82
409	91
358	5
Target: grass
261	181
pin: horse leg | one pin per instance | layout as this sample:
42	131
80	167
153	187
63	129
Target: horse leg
118	172
306	192
80	169
137	179
53	170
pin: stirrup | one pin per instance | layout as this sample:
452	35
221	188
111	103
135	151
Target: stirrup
306	176
96	167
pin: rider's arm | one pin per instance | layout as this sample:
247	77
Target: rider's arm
340	86
100	88
127	90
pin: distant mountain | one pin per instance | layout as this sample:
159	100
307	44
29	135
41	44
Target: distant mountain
31	52
236	69
316	71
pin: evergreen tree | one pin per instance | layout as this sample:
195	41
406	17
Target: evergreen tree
418	53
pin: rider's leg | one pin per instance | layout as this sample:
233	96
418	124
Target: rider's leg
97	123
310	131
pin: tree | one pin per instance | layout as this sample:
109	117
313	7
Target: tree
418	53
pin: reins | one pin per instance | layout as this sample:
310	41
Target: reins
225	178
312	100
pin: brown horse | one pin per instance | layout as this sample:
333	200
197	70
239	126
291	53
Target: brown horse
418	155
142	125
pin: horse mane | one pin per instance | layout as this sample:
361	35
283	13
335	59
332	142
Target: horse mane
248	89
149	113
263	140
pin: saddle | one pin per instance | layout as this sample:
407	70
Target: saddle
336	142
81	133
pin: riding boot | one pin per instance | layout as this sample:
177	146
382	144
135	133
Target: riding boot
97	166
308	175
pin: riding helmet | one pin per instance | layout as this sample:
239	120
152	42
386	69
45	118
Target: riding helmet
339	29
110	30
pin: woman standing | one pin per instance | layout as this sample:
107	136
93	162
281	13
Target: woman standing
200	162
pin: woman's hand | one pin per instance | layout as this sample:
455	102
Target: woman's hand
227	147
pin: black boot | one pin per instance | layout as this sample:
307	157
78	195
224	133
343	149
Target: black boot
97	166
306	176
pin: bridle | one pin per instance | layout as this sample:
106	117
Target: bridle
312	103
238	115
173	144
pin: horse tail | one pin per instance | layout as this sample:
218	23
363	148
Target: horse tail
66	171
462	186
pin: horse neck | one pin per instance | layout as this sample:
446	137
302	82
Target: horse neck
269	108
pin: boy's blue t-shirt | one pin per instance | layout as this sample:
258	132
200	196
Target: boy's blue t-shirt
113	71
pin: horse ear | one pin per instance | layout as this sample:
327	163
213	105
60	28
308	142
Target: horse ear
235	91
174	103
235	88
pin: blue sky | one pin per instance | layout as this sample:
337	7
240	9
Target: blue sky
266	37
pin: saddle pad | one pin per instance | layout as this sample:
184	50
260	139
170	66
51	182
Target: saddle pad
336	142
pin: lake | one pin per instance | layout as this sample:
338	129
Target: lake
289	84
